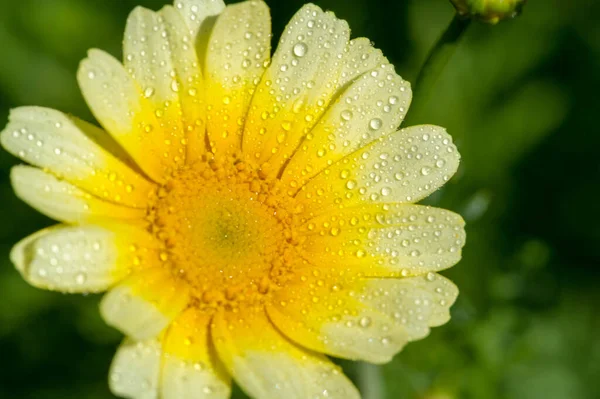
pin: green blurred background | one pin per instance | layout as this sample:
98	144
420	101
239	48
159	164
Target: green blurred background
521	100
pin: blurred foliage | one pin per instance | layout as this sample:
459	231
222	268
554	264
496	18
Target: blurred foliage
520	99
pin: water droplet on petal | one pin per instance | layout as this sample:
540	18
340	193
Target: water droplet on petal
148	92
375	123
346	115
300	49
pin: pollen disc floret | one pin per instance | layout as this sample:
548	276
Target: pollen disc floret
227	231
248	213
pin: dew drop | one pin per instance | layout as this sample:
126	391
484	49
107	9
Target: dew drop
148	92
80	278
375	124
300	49
346	115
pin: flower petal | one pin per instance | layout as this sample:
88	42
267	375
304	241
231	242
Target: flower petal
416	303
144	304
85	258
238	52
385	239
135	369
405	166
118	103
160	56
373	106
361	318
337	323
297	87
197	13
63	201
190	367
50	139
360	57
268	366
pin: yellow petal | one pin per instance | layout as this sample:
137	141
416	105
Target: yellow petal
62	201
385	239
361	318
66	147
372	106
238	52
190	367
268	366
319	310
135	370
160	55
297	87
87	258
405	166
144	304
118	103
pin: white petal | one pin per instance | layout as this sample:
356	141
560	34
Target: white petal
50	139
415	303
160	56
79	258
386	239
351	331
405	166
197	13
134	373
238	52
268	366
297	87
117	102
190	367
144	304
373	106
361	57
63	201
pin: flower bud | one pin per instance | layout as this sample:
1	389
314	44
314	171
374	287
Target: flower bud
491	11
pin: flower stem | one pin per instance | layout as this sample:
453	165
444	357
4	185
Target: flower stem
433	66
370	381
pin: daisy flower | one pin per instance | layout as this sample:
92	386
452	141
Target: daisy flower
247	214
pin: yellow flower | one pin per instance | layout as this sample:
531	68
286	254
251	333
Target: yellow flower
491	11
246	214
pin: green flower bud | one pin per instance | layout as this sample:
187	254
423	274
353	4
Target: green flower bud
491	11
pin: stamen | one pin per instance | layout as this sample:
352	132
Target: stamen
227	230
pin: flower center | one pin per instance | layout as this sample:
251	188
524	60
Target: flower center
226	231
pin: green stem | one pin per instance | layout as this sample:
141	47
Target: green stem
435	63
370	381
